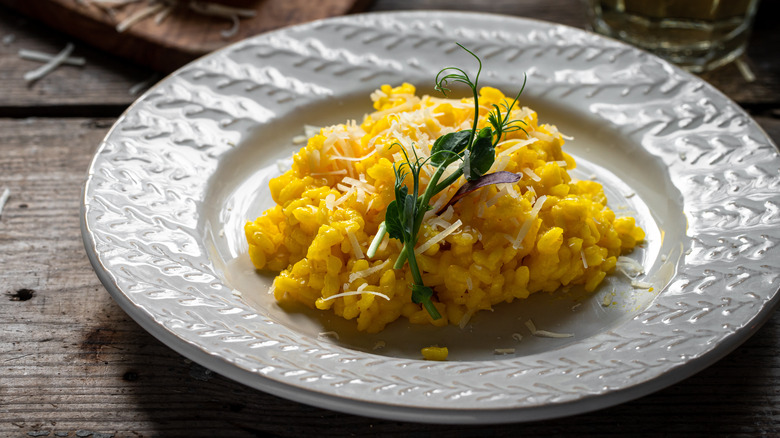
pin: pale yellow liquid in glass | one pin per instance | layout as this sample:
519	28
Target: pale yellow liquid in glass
697	34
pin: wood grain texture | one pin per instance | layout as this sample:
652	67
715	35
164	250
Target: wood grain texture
71	360
102	86
73	364
182	36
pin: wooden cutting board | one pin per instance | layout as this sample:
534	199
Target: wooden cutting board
183	34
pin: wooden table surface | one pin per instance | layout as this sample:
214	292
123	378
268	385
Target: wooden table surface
72	363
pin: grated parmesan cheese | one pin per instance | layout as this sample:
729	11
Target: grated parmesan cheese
330	201
233	28
113	2
641	284
343	198
311	130
332	172
500	163
377	115
498	195
518	242
512	149
223	11
143	85
447	215
385	242
629	267
482	204
50	66
466	317
359	184
4	199
139	16
368	271
542	136
162	15
442	199
437	238
34	55
299	139
329	334
439	222
162	9
340	157
531	174
745	70
544	333
355	245
360	290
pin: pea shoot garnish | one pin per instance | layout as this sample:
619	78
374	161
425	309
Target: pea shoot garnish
474	148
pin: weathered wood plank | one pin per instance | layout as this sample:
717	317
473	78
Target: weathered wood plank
184	34
72	361
102	86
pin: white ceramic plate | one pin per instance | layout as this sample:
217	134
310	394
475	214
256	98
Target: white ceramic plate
174	181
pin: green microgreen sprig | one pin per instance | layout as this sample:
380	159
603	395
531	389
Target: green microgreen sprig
403	218
476	149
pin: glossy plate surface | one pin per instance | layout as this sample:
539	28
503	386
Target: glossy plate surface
175	179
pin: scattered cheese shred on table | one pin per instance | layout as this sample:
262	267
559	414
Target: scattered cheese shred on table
143	85
139	16
223	11
745	70
112	3
3	199
162	15
34	55
162	9
50	66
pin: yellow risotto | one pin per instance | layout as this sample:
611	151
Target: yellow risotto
499	243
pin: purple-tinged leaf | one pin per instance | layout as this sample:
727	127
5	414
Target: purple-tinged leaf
501	177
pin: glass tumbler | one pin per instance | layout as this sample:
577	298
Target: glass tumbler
698	35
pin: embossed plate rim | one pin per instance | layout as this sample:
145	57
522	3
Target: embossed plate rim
225	345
